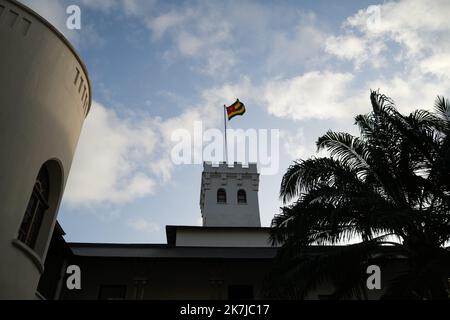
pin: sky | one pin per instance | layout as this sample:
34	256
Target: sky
300	67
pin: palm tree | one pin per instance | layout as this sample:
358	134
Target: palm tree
389	188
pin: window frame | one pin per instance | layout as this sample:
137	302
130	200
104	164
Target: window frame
37	207
221	196
240	193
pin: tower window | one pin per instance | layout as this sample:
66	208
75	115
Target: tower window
37	206
242	196
221	196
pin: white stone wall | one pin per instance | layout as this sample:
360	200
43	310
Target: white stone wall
238	237
44	98
231	179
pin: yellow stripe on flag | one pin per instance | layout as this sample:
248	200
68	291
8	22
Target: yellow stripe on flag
236	109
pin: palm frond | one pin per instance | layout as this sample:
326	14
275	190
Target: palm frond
351	151
393	180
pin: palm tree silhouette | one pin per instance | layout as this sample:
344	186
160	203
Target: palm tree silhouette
389	188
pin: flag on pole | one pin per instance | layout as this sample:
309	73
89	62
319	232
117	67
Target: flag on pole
236	109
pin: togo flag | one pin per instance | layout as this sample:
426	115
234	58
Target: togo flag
236	109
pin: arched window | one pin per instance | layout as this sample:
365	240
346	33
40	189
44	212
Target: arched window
221	196
242	196
37	206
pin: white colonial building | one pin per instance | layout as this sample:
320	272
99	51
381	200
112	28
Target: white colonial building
228	257
45	95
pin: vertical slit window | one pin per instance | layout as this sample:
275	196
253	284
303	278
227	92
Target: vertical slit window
25	26
12	18
81	85
76	76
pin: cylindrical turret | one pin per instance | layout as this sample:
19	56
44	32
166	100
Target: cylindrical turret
45	95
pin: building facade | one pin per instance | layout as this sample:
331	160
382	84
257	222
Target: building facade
44	98
228	257
228	260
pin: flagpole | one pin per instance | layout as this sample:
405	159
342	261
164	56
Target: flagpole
225	126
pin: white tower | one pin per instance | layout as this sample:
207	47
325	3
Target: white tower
229	195
45	95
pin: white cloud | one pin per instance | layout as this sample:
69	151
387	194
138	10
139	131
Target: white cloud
104	5
411	23
298	145
418	28
412	92
303	46
437	64
198	33
350	47
160	24
106	166
143	225
130	7
88	37
235	88
162	168
313	95
219	60
411	40
295	145
189	44
120	159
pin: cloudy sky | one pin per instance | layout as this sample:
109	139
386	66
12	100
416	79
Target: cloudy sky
158	66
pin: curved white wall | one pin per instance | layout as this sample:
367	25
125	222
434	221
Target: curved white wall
44	98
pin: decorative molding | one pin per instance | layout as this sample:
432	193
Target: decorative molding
13	18
30	253
80	87
28	17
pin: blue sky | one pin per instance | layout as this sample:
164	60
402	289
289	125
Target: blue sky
158	66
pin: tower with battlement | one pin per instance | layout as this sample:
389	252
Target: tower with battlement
229	195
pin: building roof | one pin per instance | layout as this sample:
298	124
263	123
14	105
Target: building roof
171	251
114	250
